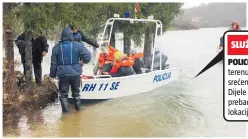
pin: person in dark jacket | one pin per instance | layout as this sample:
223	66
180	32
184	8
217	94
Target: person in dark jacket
234	27
79	36
39	50
66	66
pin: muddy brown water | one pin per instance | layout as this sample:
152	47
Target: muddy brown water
188	107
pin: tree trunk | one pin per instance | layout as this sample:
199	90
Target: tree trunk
10	80
112	39
5	41
10	51
127	44
28	60
148	46
28	53
6	10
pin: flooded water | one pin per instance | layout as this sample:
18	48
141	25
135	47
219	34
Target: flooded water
185	108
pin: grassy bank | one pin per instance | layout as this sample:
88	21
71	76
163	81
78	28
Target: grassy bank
17	101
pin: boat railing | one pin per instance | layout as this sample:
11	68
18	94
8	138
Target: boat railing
110	23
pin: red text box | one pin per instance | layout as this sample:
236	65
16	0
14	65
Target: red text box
237	44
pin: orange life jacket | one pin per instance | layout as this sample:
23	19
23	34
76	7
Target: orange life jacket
128	62
111	54
103	59
137	55
112	49
109	58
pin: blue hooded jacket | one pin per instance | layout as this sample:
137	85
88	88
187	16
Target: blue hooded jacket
66	55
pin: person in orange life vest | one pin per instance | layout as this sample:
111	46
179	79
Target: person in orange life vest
106	61
109	53
122	66
137	61
107	56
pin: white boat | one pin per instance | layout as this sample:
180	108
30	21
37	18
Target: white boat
108	88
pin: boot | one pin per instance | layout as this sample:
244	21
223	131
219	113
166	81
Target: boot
77	103
64	105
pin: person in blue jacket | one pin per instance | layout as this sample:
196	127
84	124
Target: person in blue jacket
66	66
79	36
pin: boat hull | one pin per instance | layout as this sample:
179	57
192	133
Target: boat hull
109	88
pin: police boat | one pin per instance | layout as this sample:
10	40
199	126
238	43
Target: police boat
95	88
